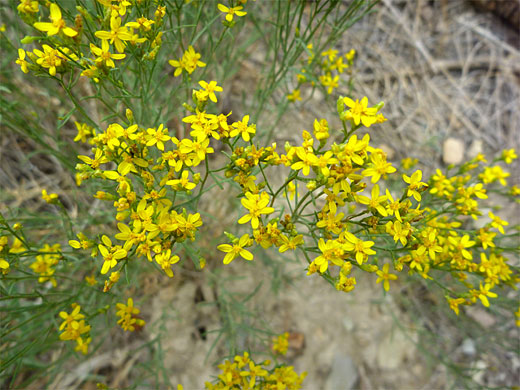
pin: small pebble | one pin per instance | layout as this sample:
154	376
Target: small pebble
453	151
468	347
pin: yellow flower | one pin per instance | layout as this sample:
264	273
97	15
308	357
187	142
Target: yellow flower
514	190
360	247
57	24
290	243
331	251
158	137
192	60
91	280
377	202
415	185
256	204
72	318
398	230
209	91
281	343
509	155
73	327
384	276
486	238
98	159
165	260
393	206
350	55
454	304
359	112
182	183
491	174
461	244
484	293
141	23
321	129
345	283
83	243
378	167
17	246
117	34
49	58
179	65
128	316
408	163
230	12
92	72
339	65
112	279
21	61
82	345
331	221
290	190
329	82
4	266
160	12
111	254
28	7
104	55
324	161
294	95
237	249
49	198
84	131
330	54
243	128
189	62
497	222
307	159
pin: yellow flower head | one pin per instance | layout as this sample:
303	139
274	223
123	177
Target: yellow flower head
231	11
57	24
237	249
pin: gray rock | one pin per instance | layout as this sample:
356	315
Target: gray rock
453	151
343	375
468	347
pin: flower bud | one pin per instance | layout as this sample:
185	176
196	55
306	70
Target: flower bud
29	39
311	186
379	105
340	106
129	115
230	237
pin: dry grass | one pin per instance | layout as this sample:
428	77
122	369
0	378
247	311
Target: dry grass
443	71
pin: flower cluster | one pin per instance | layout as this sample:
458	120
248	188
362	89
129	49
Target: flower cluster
189	62
128	314
281	343
351	175
115	31
74	327
52	59
44	263
150	218
4	264
341	204
244	373
331	66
